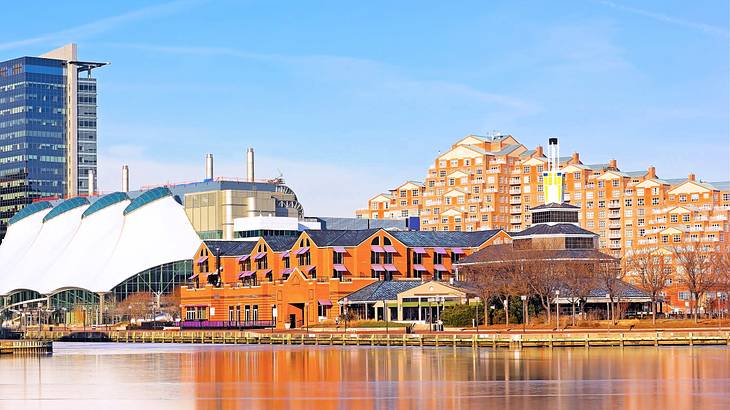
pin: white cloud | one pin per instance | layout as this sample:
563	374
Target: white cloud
99	26
706	28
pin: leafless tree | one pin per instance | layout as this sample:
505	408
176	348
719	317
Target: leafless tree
698	267
653	272
608	275
577	280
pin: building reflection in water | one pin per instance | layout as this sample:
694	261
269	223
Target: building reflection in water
159	377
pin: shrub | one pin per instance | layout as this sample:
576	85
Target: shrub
462	315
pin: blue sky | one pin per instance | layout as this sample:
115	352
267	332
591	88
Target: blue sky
347	99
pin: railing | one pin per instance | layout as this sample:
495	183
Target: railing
226	324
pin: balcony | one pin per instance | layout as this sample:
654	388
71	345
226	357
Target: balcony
516	200
614	225
614	235
614	245
514	181
515	190
719	218
515	210
515	220
614	215
614	204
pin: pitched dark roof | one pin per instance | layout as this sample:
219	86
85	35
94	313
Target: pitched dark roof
624	290
497	253
444	239
280	243
340	237
230	248
382	290
554	205
557	229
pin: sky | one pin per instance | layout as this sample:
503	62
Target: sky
348	99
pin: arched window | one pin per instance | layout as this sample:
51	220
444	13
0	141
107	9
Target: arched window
386	241
375	241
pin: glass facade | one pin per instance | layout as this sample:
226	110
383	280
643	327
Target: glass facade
32	133
86	122
160	279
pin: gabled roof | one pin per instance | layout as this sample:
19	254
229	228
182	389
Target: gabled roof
382	290
557	229
230	248
340	237
721	185
444	239
507	150
503	252
280	243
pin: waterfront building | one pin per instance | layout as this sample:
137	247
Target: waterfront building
48	137
77	253
494	182
295	281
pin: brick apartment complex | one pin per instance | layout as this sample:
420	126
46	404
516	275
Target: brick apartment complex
493	182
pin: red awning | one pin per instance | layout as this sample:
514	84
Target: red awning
377	268
340	268
390	249
457	251
420	251
202	259
441	268
442	251
244	258
377	248
419	268
339	249
390	268
325	302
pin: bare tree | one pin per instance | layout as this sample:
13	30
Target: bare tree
608	275
698	268
577	280
653	272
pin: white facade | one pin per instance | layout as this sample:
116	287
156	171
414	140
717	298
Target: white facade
95	252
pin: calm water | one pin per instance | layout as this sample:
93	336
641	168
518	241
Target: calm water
119	376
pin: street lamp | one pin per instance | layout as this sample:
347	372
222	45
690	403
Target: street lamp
506	310
557	307
385	319
524	312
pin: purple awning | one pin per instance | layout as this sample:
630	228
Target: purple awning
442	251
419	268
244	258
259	256
339	249
285	255
309	268
377	268
202	259
377	248
457	251
441	268
390	249
287	271
419	251
266	272
324	302
246	274
301	250
390	268
339	267
195	275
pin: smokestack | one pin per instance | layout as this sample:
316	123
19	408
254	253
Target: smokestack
691	177
651	172
208	167
538	151
612	164
92	188
249	165
553	155
125	178
575	159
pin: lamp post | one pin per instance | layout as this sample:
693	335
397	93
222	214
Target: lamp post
344	312
506	310
491	314
557	308
385	319
476	316
524	312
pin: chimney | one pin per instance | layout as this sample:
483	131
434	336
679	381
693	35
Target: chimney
575	158
92	188
691	177
208	167
612	164
539	152
651	172
249	165
125	178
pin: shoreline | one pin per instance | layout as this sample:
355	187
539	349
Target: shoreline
510	340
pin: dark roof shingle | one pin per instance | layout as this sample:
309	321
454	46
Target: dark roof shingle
444	239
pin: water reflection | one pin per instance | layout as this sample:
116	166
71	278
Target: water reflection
290	377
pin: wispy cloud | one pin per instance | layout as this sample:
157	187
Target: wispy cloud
101	25
707	28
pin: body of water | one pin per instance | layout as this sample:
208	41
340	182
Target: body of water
149	376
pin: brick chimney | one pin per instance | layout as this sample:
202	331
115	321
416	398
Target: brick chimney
574	159
691	177
651	172
538	151
612	164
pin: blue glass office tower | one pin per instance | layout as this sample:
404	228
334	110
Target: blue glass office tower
47	129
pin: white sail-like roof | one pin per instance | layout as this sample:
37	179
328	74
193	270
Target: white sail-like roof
94	247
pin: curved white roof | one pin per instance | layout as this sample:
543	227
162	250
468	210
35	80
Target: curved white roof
98	251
